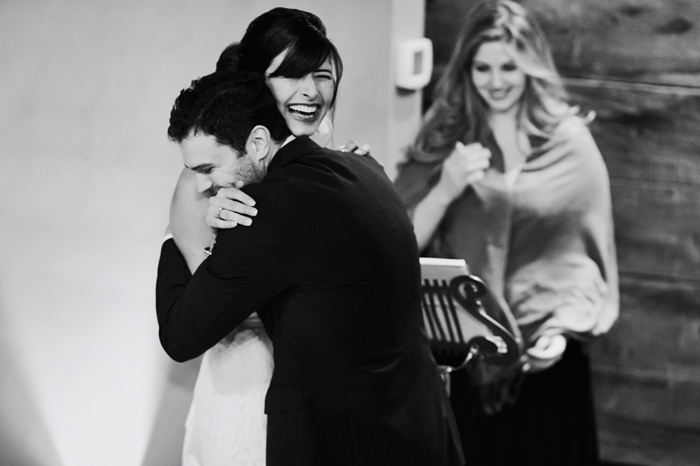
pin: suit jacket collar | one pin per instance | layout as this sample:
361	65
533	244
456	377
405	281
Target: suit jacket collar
291	151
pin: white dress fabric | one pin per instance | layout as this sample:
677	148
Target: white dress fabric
226	424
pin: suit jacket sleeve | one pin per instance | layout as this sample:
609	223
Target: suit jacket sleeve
245	271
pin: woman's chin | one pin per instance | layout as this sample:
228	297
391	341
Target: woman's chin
303	128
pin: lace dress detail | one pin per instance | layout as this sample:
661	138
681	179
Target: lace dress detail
226	424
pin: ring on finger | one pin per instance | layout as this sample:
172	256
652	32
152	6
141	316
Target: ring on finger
218	213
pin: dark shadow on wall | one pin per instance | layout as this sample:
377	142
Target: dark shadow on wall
24	438
165	445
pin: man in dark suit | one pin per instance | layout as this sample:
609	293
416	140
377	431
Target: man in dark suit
330	264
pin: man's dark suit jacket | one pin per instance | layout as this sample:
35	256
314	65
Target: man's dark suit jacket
330	264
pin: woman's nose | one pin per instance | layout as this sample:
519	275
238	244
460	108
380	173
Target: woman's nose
307	86
496	79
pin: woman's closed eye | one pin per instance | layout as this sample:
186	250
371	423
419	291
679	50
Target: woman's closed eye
325	75
509	67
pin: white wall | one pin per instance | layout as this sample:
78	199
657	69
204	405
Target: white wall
86	176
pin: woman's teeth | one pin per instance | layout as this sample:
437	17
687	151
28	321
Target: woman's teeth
499	94
303	110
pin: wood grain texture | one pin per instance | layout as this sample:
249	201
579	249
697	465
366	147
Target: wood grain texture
648	41
645	132
658	330
634	40
633	442
656	229
443	20
648	367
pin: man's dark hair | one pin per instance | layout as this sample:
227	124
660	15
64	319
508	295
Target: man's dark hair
226	106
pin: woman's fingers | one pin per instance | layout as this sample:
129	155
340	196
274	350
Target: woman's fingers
473	151
223	205
349	146
362	150
235	194
355	147
240	216
548	346
230	207
218	217
464	166
547	350
469	162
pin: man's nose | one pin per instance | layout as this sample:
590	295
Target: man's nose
203	183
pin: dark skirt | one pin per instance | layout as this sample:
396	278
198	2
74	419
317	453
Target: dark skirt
551	423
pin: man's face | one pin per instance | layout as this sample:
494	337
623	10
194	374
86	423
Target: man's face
218	166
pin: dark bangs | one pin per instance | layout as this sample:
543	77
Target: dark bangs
306	54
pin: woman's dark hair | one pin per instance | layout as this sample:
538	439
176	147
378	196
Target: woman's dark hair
301	33
228	60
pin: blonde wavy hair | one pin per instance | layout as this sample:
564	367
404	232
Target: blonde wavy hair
458	113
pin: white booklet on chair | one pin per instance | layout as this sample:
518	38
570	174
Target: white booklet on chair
435	268
453	317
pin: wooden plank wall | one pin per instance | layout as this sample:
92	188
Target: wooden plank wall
636	63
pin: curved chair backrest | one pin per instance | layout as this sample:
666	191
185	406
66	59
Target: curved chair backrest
454	318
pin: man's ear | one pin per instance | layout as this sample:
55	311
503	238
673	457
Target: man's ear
259	143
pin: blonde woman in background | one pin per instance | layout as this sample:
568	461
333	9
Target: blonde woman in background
507	176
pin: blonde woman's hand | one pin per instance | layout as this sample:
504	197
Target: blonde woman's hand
547	350
466	164
230	207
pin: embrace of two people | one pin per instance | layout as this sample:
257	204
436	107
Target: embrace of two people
326	273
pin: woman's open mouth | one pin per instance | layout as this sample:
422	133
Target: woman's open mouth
303	112
498	94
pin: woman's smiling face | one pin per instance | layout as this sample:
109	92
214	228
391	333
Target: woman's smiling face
497	77
303	101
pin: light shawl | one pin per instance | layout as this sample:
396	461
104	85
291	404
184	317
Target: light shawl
543	244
